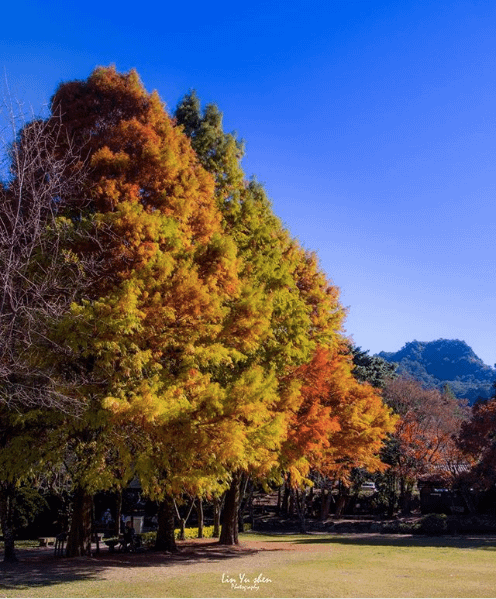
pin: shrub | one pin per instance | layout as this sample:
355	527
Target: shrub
434	524
397	527
148	538
192	533
475	524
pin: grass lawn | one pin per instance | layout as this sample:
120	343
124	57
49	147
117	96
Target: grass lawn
286	566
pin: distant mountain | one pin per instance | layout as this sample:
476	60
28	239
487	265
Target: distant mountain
445	361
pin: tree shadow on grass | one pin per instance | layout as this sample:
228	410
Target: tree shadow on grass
40	568
486	542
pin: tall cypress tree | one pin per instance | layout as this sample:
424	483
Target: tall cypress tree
286	305
149	319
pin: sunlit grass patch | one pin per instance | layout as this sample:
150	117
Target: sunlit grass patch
319	565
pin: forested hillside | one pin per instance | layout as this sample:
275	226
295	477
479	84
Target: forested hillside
445	361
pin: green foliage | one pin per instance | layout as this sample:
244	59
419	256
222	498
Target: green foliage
398	527
473	524
29	502
434	524
27	544
148	538
372	369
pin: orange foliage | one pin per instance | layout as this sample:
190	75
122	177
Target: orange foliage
340	424
147	325
155	230
425	434
142	166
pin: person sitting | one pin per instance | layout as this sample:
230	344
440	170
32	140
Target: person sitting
131	540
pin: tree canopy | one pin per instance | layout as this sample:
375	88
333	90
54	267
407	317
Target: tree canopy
200	340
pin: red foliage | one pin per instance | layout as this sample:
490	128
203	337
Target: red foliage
340	423
477	440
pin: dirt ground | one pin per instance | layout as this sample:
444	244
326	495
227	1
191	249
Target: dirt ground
38	565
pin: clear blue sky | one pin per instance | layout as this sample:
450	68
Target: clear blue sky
371	123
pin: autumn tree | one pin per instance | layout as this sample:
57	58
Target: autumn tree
197	310
340	425
146	328
477	444
424	440
285	308
477	435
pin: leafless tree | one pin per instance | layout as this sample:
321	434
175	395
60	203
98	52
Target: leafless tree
38	277
38	280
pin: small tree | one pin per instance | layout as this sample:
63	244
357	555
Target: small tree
38	280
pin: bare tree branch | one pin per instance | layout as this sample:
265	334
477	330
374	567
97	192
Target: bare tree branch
38	277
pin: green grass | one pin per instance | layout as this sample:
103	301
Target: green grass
28	544
292	565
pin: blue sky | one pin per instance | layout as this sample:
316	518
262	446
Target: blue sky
371	123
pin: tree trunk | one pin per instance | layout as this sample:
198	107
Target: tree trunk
199	512
7	498
285	500
182	529
165	532
300	501
351	505
279	500
391	496
291	508
245	499
217	508
252	511
229	532
183	521
406	498
118	513
342	500
79	540
391	504
465	492
325	506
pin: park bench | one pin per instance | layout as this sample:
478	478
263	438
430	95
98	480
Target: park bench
112	543
60	541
